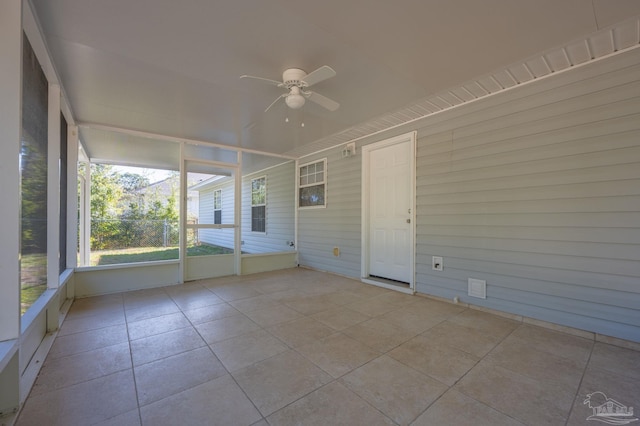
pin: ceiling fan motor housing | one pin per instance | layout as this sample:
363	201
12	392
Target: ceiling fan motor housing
293	78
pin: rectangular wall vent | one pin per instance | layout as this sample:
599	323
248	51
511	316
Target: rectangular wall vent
477	288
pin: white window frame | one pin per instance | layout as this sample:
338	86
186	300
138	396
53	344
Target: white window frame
217	207
314	183
264	177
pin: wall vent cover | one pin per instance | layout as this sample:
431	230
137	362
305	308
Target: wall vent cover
477	288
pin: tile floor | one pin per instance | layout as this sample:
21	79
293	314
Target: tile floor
304	347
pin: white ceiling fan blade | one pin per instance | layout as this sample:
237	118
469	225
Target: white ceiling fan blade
323	101
268	80
318	75
274	102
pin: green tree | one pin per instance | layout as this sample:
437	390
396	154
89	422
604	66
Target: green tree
106	192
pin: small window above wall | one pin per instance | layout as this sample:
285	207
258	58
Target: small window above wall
312	188
258	204
217	207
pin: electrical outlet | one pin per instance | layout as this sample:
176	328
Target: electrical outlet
336	251
436	263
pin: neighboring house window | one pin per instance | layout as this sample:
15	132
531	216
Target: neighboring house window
312	188
258	204
217	206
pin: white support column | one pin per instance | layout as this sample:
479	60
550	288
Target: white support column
72	197
237	219
182	241
53	188
85	216
10	129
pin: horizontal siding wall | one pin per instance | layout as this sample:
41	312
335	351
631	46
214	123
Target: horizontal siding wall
218	237
535	190
280	213
337	225
539	195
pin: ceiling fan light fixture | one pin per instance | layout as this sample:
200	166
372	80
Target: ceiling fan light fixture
294	100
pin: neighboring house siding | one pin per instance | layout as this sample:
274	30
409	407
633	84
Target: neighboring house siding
218	237
279	212
535	190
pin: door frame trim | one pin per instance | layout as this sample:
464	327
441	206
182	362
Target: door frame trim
365	252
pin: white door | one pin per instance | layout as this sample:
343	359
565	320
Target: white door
390	217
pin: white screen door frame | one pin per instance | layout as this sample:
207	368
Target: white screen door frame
367	194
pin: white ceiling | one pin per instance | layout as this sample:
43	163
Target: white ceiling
172	67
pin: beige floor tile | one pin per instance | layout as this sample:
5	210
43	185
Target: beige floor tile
92	322
379	335
434	308
243	351
396	298
234	292
158	325
371	307
310	305
153	311
622	361
332	404
554	342
225	328
130	418
210	313
58	373
163	345
300	332
399	392
441	362
196	299
624	389
146	299
412	320
338	354
88	340
483	321
165	377
342	297
278	381
463	338
521	357
340	318
454	408
272	316
255	303
83	404
219	401
518	396
367	290
96	305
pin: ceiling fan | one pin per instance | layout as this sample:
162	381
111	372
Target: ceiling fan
297	82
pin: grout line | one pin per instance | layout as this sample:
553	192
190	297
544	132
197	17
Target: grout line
584	371
133	371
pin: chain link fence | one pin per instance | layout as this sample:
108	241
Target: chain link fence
115	234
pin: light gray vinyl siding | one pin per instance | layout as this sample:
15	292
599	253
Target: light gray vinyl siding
280	212
338	224
535	190
219	237
539	195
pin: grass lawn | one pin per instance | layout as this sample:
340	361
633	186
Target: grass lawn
150	254
28	295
